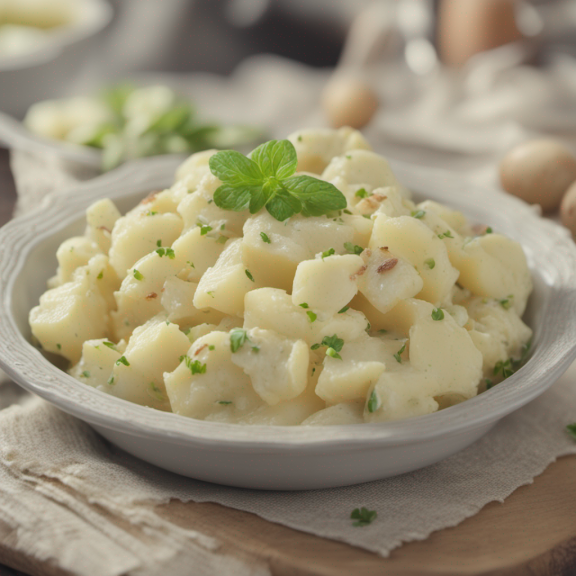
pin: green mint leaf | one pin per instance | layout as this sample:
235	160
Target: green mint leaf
283	205
317	197
229	197
260	195
373	402
237	338
235	169
276	158
437	314
265	238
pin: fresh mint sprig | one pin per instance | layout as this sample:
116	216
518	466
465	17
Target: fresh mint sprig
266	179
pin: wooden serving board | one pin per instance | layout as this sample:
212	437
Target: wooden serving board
533	533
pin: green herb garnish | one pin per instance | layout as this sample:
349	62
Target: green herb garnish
110	345
304	305
437	314
571	428
85	374
225	402
265	238
204	229
138	275
430	263
418	214
353	248
101	275
446	234
237	338
266	180
122	360
250	277
311	316
166	252
361	193
195	367
373	402
363	516
328	252
333	354
156	392
398	354
343	310
506	303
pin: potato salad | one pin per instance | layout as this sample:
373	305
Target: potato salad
299	285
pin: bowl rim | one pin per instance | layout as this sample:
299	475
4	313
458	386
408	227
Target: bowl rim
29	368
95	15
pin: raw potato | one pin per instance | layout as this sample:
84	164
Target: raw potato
349	101
237	318
568	210
539	172
327	284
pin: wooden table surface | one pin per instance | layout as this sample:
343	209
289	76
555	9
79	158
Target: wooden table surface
533	533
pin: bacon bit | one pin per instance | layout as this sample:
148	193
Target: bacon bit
150	197
103	228
151	296
384	248
479	229
359	273
388	265
200	349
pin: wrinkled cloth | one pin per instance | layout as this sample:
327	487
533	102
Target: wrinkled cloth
71	498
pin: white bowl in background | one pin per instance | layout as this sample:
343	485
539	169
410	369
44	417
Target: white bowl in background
47	71
275	457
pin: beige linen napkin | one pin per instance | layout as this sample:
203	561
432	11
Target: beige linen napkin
69	497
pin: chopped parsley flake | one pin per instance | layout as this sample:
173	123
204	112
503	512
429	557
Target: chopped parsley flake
110	345
382	331
250	277
191	264
166	252
237	338
418	214
343	310
353	248
122	360
571	428
363	516
138	275
222	239
110	381
265	238
430	263
156	392
333	354
373	402
211	347
437	314
151	213
328	253
101	275
303	305
204	229
446	234
85	374
367	216
195	367
505	368
225	402
398	354
59	346
506	303
314	346
223	227
347	212
333	342
159	243
488	383
211	292
361	193
311	316
489	230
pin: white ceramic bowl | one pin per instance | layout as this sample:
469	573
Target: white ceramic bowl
285	457
46	72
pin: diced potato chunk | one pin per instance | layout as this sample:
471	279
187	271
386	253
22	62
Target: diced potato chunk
72	254
209	385
327	284
101	217
408	238
277	366
495	266
387	279
135	236
97	362
316	147
224	286
69	315
291	242
153	349
339	414
195	167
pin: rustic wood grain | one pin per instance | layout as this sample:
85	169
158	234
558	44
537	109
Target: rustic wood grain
532	534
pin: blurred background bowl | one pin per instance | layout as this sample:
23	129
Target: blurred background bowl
47	71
